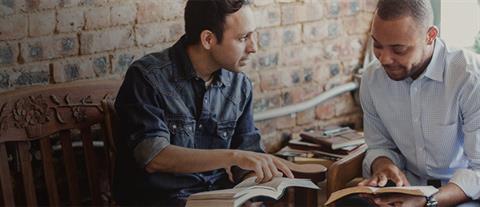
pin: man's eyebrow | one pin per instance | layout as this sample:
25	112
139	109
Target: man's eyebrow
395	45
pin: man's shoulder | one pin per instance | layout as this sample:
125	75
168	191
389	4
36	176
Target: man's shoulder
462	63
160	61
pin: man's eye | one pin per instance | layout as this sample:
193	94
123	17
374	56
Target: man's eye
243	39
400	51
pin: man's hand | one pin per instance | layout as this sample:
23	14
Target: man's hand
264	166
400	200
383	170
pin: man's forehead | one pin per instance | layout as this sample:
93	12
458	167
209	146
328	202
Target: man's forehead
241	20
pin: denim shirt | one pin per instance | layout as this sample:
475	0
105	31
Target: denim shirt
163	102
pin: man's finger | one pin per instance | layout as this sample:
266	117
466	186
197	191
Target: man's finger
259	173
283	167
382	180
229	173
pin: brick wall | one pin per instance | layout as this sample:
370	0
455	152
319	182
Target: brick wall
305	48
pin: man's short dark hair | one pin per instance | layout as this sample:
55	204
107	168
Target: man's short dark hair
208	15
420	10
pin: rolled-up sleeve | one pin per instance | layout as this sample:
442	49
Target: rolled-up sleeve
141	117
246	136
469	179
380	143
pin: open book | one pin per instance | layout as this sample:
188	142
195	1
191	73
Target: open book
245	190
410	190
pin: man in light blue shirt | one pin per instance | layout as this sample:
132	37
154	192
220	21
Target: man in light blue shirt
421	103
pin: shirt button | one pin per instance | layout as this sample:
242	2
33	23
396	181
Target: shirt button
174	126
224	134
200	126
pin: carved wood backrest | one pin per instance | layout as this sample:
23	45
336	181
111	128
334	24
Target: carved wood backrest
51	144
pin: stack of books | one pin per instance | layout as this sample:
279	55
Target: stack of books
335	142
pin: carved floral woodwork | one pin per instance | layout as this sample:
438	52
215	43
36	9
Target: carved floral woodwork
36	110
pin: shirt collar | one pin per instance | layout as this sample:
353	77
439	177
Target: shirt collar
436	68
184	69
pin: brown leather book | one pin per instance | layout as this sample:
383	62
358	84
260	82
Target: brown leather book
338	141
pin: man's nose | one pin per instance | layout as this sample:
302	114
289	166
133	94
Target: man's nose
252	45
385	57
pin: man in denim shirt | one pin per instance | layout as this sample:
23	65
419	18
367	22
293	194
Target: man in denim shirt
186	112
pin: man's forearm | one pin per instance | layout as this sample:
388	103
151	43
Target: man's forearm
450	195
184	160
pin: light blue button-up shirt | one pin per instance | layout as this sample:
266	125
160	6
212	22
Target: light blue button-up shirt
429	127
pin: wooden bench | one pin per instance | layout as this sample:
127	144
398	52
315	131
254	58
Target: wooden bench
52	150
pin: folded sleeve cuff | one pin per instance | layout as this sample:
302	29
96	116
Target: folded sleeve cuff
373	154
147	149
469	181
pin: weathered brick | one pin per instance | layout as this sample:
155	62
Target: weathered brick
266	127
153	10
262	2
123	14
276	37
41	23
285	122
92	2
353	6
315	31
81	68
8	53
333	8
25	75
39	5
108	39
305	117
49	47
70	20
267	16
301	12
335	29
321	73
274	79
345	105
292	55
97	17
265	59
122	60
255	79
359	24
369	5
156	47
264	101
326	110
147	34
13	27
8	7
293	95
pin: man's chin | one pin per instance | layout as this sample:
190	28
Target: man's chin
396	77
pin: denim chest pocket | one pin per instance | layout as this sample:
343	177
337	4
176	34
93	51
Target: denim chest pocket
224	132
182	131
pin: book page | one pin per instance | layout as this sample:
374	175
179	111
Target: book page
411	190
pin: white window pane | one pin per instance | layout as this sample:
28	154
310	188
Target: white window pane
460	22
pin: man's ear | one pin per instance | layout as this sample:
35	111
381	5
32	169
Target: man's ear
208	39
432	34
